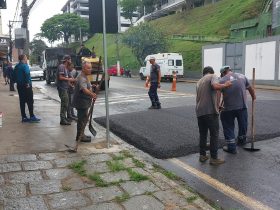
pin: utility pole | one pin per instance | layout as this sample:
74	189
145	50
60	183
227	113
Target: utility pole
11	42
25	10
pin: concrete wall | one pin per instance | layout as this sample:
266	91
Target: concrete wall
261	54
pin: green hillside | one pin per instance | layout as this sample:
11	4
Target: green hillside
210	20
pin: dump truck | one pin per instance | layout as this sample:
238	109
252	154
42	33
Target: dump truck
52	57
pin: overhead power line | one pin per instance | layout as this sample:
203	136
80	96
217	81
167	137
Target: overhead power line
16	12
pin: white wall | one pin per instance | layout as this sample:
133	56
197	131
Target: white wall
213	57
262	57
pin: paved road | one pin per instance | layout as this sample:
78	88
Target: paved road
245	181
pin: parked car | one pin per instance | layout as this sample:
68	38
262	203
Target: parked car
142	72
36	72
112	70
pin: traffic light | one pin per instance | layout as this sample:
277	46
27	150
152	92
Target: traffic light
3	4
96	18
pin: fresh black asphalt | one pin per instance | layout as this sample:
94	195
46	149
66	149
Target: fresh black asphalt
173	132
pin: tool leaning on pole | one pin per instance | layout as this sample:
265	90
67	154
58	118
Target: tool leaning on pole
252	147
95	89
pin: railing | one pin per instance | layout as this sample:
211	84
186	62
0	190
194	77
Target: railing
170	2
266	6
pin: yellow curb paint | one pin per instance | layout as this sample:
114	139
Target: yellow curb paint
227	190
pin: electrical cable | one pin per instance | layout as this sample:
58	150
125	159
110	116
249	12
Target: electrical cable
16	13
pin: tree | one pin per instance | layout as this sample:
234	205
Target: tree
63	26
145	40
37	46
129	7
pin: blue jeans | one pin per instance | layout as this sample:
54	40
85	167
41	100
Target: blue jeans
153	94
228	118
208	122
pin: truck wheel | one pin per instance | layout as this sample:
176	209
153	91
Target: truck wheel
141	76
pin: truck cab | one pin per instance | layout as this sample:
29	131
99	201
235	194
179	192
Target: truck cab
52	58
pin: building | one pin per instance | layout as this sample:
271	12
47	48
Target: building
4	43
81	8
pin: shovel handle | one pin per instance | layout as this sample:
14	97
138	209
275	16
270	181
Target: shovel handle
253	112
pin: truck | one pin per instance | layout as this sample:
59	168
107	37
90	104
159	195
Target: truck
168	62
52	57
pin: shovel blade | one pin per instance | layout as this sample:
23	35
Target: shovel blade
250	149
70	149
92	130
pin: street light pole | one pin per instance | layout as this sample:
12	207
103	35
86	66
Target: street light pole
106	74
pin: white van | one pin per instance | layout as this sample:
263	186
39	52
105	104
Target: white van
168	63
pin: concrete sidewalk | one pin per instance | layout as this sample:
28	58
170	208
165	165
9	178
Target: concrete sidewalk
37	173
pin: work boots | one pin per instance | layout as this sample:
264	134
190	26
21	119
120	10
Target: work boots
216	161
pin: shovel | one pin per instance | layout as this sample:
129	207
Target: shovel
252	148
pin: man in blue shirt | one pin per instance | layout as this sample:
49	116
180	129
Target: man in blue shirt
24	86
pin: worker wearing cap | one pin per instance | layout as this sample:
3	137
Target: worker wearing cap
208	114
63	79
235	107
154	79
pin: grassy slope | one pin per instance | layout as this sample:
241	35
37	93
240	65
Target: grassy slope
214	19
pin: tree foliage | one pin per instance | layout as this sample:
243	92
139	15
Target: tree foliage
37	46
63	26
145	40
129	7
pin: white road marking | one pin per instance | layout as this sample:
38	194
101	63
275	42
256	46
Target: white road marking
119	100
225	189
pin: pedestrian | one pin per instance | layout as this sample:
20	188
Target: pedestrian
84	51
235	107
83	96
70	111
22	77
154	79
63	79
10	71
93	54
5	72
207	113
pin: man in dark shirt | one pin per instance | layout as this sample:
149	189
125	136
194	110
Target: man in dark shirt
84	52
10	71
154	79
63	79
235	107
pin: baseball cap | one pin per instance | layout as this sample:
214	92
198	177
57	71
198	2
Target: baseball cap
224	68
152	58
66	57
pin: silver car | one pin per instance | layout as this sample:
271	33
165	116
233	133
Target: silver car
36	72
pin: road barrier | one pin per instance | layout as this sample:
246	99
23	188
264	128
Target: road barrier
174	80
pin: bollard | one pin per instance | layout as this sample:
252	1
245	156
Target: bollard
147	82
174	75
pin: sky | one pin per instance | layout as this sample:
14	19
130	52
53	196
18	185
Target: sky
42	10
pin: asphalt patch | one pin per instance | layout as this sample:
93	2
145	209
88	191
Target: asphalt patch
173	132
